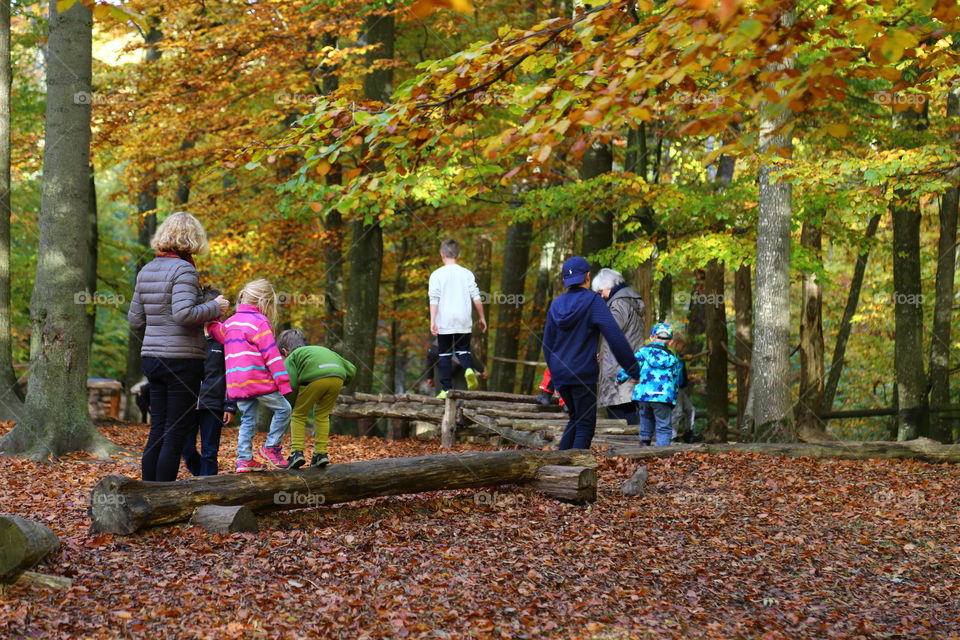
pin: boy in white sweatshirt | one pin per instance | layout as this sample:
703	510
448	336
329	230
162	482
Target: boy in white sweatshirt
452	290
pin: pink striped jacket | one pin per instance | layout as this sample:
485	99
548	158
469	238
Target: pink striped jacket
254	364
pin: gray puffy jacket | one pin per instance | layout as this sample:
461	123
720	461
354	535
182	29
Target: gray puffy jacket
627	309
166	301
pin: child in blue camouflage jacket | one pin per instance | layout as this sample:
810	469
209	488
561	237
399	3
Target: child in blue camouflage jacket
661	375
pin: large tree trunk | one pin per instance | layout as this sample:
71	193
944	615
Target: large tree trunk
598	227
743	348
772	415
11	407
846	323
940	342
920	449
146	227
123	505
55	414
810	428
717	385
366	250
516	261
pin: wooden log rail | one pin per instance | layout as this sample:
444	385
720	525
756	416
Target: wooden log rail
920	449
125	505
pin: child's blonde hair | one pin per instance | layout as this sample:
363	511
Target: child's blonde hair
261	293
180	233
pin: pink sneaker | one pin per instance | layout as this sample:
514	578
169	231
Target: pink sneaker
274	456
245	466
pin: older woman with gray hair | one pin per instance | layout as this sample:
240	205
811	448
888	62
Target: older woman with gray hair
627	307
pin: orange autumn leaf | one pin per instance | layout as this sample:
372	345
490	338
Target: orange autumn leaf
423	8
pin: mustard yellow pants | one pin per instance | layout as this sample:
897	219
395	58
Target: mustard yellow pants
322	394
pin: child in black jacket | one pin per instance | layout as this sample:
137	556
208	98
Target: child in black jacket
214	409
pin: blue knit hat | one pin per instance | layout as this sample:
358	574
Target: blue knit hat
662	330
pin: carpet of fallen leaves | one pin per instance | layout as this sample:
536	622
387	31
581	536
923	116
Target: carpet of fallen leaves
722	546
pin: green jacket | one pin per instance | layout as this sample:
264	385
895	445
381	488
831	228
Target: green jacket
306	364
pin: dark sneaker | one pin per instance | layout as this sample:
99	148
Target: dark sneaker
296	460
544	398
319	460
646	443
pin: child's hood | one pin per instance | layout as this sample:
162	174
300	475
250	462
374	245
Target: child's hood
568	309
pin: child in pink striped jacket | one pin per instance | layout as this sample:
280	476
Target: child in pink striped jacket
255	373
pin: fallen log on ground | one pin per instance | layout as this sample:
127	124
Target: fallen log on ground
401	410
535	440
220	519
919	449
571	484
124	505
23	543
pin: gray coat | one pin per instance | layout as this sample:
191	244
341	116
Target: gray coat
627	309
166	301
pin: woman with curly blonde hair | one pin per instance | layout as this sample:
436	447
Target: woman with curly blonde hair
168	306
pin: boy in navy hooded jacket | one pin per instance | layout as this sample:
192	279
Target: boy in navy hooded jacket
574	323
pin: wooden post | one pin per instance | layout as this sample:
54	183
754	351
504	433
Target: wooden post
448	425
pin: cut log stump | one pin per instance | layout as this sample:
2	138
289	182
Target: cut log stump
125	505
220	519
23	543
568	483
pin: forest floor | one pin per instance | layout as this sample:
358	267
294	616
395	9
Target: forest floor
722	546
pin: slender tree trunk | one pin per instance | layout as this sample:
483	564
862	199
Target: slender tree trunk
483	271
810	428
11	406
93	250
743	349
55	417
846	323
913	419
333	234
396	351
184	180
146	227
940	342
366	249
717	385
770	366
598	227
536	319
516	261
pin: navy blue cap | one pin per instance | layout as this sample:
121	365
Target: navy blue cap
573	271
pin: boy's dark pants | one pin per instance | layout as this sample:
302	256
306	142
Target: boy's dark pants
447	345
174	386
209	424
581	400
